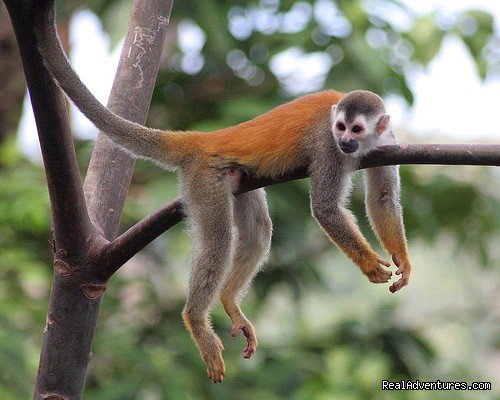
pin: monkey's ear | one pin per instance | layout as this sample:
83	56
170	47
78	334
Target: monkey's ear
332	114
382	124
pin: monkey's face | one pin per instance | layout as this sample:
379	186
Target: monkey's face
358	134
350	134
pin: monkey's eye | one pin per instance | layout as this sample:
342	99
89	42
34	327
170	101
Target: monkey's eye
357	129
340	126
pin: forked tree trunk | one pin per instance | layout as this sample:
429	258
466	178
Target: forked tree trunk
78	233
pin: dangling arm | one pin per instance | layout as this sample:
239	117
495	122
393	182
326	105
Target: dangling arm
386	217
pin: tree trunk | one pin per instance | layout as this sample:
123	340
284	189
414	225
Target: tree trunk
80	234
13	84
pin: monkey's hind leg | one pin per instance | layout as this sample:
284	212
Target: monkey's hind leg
254	229
209	206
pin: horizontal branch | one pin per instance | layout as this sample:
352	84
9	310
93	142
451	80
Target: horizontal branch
125	246
442	154
149	228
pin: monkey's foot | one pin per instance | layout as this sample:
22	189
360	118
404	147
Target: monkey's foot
208	343
212	355
248	330
376	273
404	269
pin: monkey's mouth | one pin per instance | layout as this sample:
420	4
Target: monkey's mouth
349	147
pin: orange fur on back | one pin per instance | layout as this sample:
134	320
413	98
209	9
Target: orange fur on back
268	144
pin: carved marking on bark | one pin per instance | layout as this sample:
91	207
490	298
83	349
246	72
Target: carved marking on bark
93	291
53	396
143	37
52	244
63	268
50	320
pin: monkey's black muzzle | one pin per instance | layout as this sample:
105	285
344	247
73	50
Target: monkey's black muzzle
348	146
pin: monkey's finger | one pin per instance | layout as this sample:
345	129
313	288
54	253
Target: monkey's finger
399	271
403	281
235	330
251	346
379	275
249	350
395	287
383	262
397	260
249	334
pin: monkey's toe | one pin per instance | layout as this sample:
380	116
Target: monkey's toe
211	351
215	367
251	342
248	330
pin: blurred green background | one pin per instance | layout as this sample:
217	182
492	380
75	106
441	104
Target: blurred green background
325	332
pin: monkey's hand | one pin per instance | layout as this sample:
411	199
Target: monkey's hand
372	268
241	323
404	269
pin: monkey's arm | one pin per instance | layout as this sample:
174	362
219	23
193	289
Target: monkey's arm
329	190
386	217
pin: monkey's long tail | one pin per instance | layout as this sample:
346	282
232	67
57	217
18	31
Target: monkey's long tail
140	140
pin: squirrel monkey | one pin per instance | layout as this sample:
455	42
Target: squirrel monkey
326	132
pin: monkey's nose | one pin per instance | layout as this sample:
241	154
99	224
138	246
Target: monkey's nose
348	146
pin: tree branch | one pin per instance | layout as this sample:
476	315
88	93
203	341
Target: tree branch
110	169
141	234
125	246
69	213
443	154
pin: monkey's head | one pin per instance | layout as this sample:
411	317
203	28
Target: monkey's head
359	121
